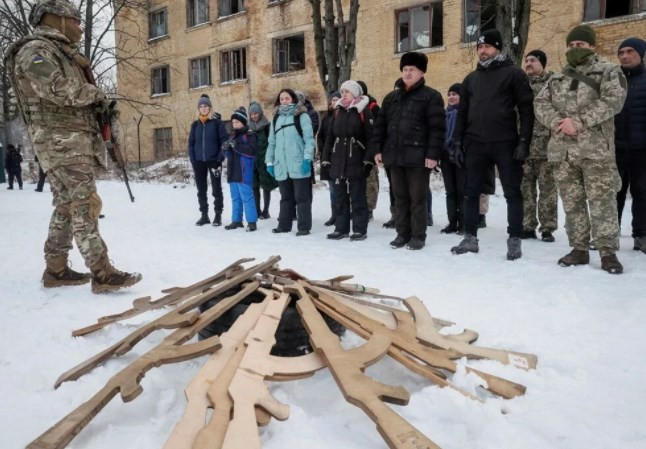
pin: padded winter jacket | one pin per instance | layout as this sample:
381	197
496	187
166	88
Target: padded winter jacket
240	156
287	149
490	97
410	126
205	140
630	123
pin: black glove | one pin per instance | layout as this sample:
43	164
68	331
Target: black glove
521	152
367	168
457	154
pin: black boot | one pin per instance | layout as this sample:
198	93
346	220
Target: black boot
234	225
482	221
251	227
217	221
390	224
204	219
449	229
527	234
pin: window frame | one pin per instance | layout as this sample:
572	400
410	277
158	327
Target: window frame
471	39
167	141
229	65
192	13
209	73
635	7
431	17
275	56
152	80
241	4
151	14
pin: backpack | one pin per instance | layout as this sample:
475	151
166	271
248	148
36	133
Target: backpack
296	124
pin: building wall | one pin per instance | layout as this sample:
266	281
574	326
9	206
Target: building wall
376	62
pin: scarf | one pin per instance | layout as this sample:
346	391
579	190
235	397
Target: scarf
287	109
499	57
347	104
260	124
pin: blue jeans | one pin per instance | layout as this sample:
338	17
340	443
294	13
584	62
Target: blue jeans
242	198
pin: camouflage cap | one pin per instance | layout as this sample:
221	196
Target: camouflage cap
61	8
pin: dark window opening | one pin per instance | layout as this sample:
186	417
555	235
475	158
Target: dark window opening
233	65
289	54
200	72
163	143
229	7
160	80
419	27
479	16
607	9
197	12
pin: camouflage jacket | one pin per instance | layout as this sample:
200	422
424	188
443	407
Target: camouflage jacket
56	98
592	111
541	134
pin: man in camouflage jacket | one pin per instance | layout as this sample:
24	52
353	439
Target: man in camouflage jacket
58	100
578	105
537	171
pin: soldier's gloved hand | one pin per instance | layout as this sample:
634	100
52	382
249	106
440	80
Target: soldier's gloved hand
457	153
367	168
521	152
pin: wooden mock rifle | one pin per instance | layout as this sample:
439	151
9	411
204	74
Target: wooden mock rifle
114	150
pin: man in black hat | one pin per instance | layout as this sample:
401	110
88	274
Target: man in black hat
630	138
408	138
540	192
496	98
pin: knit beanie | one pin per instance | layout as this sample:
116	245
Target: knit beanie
540	55
240	115
353	87
364	87
204	100
457	88
491	37
635	43
583	33
255	108
301	96
414	58
335	94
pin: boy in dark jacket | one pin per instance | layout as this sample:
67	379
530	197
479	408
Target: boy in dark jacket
204	143
496	99
320	143
240	151
12	162
408	139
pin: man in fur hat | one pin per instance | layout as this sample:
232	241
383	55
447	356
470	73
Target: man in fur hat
408	138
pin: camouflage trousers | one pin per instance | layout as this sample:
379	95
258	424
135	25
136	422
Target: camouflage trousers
372	188
76	212
539	172
589	193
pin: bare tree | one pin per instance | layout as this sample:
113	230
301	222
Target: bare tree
512	20
335	44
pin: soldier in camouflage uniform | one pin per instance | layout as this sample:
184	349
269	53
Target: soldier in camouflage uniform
58	99
578	105
372	191
536	169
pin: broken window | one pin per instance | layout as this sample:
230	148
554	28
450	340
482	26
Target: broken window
197	12
419	27
160	77
229	7
163	143
158	23
233	65
479	16
200	72
289	54
605	9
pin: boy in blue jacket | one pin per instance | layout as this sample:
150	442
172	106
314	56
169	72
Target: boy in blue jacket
240	151
204	143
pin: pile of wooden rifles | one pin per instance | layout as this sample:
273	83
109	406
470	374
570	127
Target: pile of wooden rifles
232	380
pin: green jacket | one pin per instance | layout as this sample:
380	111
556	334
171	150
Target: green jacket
287	149
592	111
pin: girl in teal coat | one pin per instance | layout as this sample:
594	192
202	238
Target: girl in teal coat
289	160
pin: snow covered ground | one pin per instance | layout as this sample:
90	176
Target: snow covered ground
587	328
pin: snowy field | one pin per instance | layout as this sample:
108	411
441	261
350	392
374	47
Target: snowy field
587	328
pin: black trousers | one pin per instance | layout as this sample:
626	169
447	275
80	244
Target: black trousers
204	170
266	196
479	157
351	205
17	175
410	187
41	179
632	169
391	194
295	195
454	184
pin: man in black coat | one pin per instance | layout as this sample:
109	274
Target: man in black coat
12	162
496	100
408	138
630	138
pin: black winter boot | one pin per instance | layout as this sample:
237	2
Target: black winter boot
449	229
399	242
358	236
390	224
251	227
234	225
336	235
527	234
415	244
482	221
547	236
640	244
204	219
217	221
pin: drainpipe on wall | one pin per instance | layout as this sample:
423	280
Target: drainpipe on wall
139	138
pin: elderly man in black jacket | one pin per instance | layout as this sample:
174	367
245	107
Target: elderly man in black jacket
496	98
408	137
630	137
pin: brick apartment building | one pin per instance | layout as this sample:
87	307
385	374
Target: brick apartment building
236	51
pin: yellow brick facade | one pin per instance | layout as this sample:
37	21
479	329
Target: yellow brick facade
376	62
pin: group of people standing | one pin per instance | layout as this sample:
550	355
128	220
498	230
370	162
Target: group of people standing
543	132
